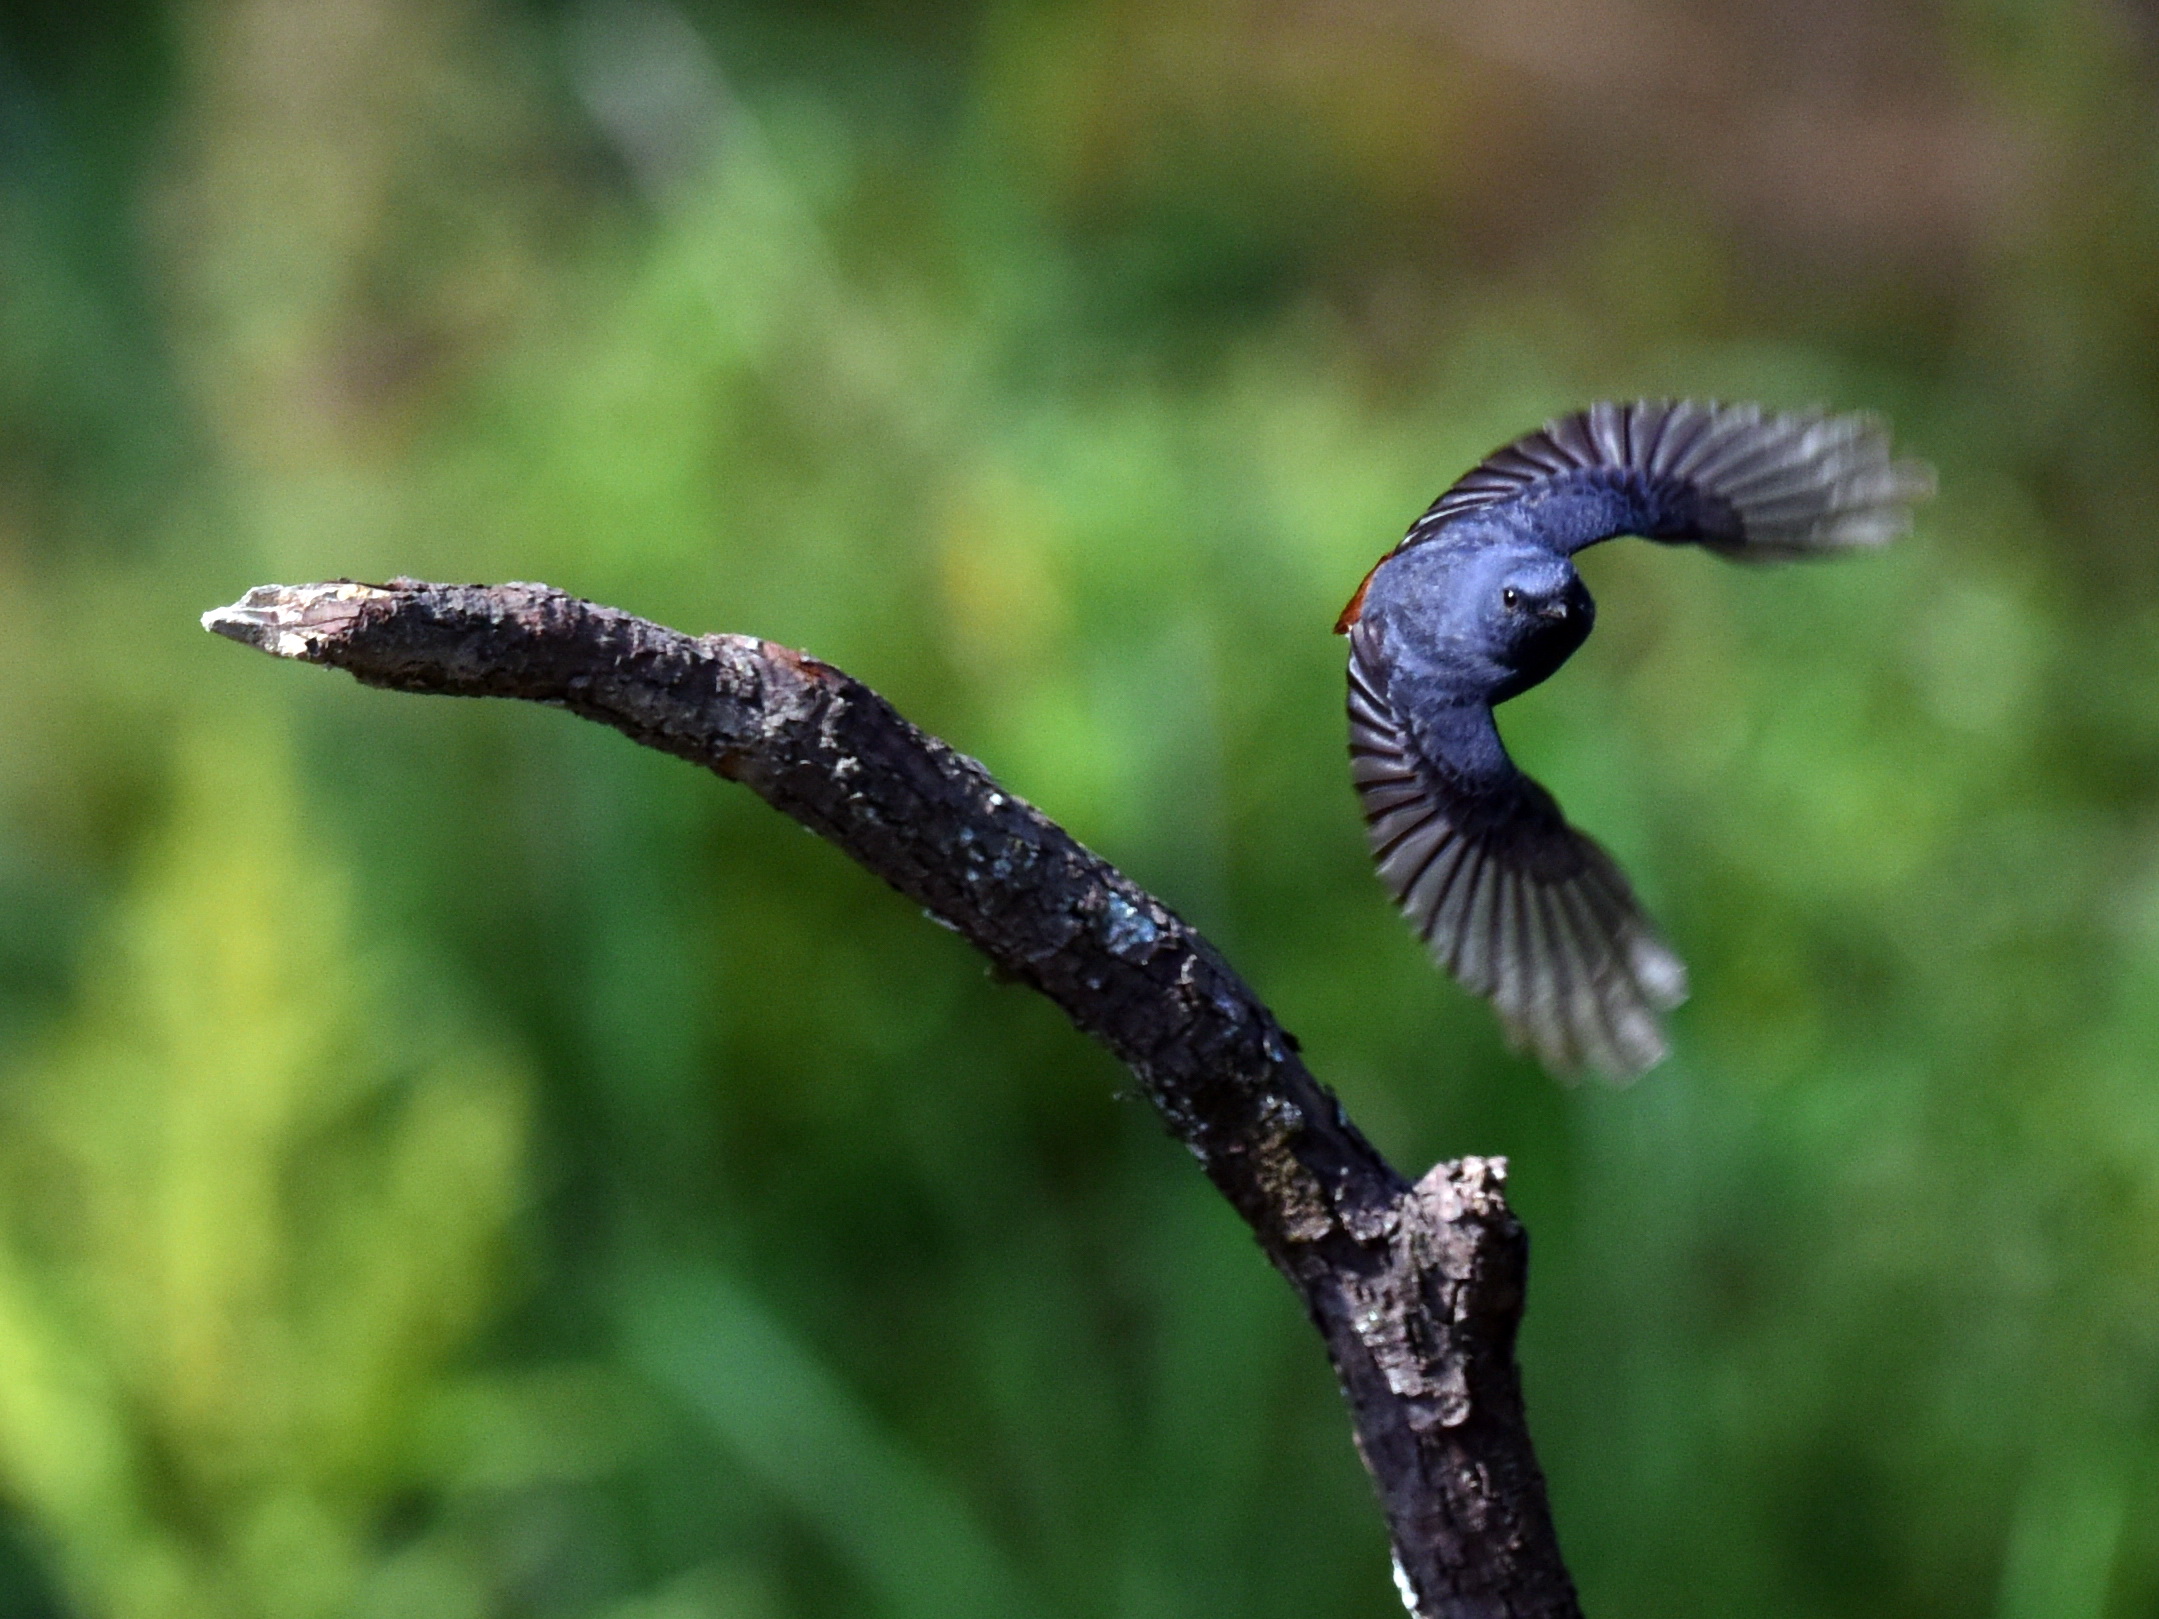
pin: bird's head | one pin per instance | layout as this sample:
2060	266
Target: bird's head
1535	608
1486	620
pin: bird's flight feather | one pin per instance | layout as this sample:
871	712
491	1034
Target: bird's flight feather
1740	480
1513	901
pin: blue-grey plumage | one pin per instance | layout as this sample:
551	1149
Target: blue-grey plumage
1480	602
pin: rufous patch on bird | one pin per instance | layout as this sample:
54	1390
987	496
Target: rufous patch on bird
1355	610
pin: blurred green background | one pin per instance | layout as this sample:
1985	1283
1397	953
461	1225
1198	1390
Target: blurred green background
453	1164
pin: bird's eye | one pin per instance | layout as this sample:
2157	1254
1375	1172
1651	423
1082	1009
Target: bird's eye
1511	597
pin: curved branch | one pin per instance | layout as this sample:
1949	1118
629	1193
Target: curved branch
1417	1289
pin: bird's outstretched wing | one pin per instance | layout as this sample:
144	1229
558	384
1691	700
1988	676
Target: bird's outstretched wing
1749	483
1512	900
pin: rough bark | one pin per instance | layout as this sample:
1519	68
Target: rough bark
1416	1288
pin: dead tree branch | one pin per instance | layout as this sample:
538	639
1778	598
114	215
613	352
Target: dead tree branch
1417	1289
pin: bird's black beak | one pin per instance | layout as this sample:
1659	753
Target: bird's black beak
1558	610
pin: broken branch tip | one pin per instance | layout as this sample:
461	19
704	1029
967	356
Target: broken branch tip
290	621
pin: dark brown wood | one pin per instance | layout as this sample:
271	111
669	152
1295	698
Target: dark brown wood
1417	1289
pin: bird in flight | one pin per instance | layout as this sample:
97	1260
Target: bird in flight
1480	602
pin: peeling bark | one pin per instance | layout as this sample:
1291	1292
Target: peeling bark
1416	1289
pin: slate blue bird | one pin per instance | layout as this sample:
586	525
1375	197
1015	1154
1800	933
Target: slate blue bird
1480	602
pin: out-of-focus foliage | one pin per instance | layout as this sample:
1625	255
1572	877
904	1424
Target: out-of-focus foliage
1058	368
250	1210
